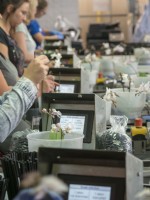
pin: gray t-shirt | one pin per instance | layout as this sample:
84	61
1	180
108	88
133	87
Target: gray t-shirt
9	71
31	45
14	104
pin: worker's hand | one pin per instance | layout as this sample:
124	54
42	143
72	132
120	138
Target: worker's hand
49	84
37	70
51	64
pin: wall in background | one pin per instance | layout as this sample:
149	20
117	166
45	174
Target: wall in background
66	8
82	13
117	12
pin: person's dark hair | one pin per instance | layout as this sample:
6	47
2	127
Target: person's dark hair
15	3
42	4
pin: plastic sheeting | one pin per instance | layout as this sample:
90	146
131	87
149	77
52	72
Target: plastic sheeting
115	138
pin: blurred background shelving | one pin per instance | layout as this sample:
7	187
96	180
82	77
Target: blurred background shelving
83	13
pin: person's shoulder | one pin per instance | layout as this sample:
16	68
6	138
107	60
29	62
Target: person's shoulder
33	22
21	27
2	32
33	27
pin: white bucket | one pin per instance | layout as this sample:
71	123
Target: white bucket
125	68
108	111
107	67
128	103
96	65
92	77
138	80
41	139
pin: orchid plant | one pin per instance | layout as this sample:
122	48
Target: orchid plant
54	55
143	88
125	79
57	132
89	58
110	96
110	51
57	56
107	48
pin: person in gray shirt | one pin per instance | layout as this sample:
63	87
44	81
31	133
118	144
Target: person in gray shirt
15	103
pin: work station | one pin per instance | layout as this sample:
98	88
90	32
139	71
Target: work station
88	133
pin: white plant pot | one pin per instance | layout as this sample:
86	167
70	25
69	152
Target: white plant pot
92	77
107	67
41	139
138	80
108	110
141	53
128	103
86	66
96	65
120	67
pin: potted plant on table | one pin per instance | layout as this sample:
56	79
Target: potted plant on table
56	132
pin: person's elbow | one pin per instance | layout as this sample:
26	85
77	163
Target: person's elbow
38	37
4	133
28	57
8	122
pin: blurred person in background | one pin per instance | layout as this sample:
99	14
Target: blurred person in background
13	13
8	78
23	36
24	93
34	186
35	29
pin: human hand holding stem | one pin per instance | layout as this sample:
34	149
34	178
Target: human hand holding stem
47	84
